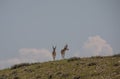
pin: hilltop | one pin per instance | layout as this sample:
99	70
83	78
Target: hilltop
73	68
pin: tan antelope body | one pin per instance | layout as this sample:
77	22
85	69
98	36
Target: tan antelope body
54	52
64	50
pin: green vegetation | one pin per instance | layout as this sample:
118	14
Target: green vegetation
73	68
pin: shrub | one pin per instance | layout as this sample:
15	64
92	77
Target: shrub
116	55
76	77
16	77
50	76
28	70
116	64
97	57
14	73
73	59
92	64
20	65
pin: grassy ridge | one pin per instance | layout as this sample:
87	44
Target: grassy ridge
73	68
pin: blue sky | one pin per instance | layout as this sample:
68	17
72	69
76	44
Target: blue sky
29	28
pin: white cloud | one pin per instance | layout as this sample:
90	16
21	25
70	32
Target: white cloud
27	55
9	62
32	54
95	46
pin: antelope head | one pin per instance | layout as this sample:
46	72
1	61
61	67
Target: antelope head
54	48
66	47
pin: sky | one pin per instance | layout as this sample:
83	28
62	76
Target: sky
29	29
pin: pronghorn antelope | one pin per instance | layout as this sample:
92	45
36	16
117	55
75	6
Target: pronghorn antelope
63	51
54	52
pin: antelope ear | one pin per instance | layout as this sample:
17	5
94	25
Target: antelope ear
66	45
55	47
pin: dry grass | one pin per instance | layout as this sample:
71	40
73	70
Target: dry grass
73	68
